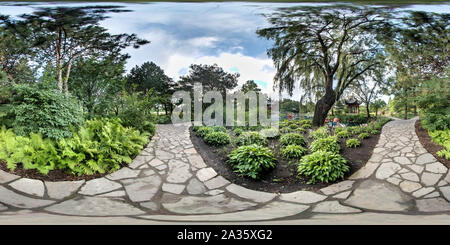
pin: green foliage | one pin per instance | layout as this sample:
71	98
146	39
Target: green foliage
270	133
329	143
442	137
321	132
238	131
217	138
285	130
45	111
343	134
219	129
292	139
363	136
163	119
300	130
135	111
293	151
251	160
203	131
338	130
249	138
195	128
322	166
293	126
352	143
352	119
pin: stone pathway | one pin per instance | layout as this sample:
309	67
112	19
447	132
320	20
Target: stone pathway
170	181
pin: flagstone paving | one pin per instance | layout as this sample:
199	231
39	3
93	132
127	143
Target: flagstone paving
170	181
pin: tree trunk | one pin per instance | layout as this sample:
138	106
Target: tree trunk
368	111
322	108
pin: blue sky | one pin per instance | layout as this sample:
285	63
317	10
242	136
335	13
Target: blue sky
199	33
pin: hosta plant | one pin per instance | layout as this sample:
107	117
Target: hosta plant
293	151
251	160
217	138
322	166
363	135
292	139
352	143
343	134
203	131
321	132
330	143
248	138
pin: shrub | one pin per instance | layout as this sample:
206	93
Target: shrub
306	123
442	137
322	166
44	111
293	151
353	119
292	139
219	129
249	138
135	111
300	130
293	126
217	138
163	119
251	160
338	130
363	135
352	143
195	128
343	134
238	131
373	131
203	131
285	130
321	132
270	133
329	143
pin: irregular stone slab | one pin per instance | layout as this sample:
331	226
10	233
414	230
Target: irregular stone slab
410	176
447	177
214	192
95	206
30	186
139	161
377	195
445	190
343	195
195	187
429	179
433	194
9	197
205	174
161	167
256	196
163	155
155	162
394	180
402	160
7	177
425	158
416	168
423	191
99	186
207	205
173	188
114	194
3	207
386	170
442	183
364	172
190	151
338	187
178	171
143	189
216	182
409	186
150	205
270	211
436	167
305	197
334	207
123	173
62	189
197	161
433	205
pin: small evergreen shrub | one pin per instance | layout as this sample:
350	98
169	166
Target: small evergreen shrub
321	132
195	128
203	131
352	143
217	138
322	166
329	143
251	160
343	134
219	129
293	151
292	139
238	131
363	136
249	138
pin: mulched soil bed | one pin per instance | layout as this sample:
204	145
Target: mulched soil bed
283	178
428	144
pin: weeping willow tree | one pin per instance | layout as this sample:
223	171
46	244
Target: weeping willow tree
325	49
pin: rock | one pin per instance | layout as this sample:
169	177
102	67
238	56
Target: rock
445	190
29	186
216	182
190	151
143	189
139	161
342	195
410	176
429	179
416	168
196	161
425	158
214	192
205	174
333	207
178	171
338	187
386	170
173	188
150	205
207	205
433	205
163	155
99	186
365	172
161	167
62	189
3	207
436	167
95	206
305	197
423	191
394	180
380	196
114	194
402	160
433	194
155	162
409	186
195	187
256	196
123	173
9	197
7	177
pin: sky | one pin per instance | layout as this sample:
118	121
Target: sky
182	34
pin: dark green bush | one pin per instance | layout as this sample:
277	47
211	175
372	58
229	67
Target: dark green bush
330	143
292	139
363	135
293	151
249	138
196	127
219	129
343	134
136	112
353	119
321	132
217	138
251	160
203	131
238	131
322	166
352	143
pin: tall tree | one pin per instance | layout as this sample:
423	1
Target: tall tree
250	85
327	48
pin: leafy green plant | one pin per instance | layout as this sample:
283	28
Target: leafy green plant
329	143
251	160
293	151
300	130
322	166
363	136
238	131
293	126
203	131
219	129
217	138
352	143
270	133
285	130
343	134
292	139
321	132
442	137
249	138
195	128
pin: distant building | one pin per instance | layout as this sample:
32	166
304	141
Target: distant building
352	105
